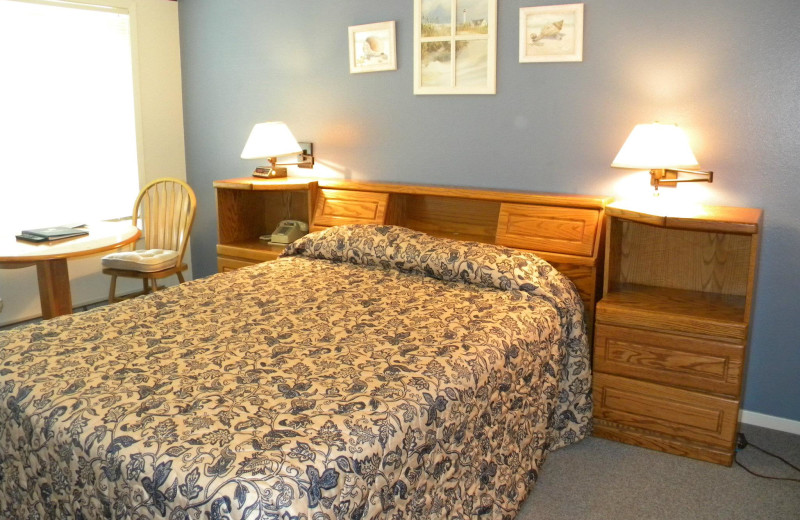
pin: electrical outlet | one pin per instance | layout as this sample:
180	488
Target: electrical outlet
308	148
306	160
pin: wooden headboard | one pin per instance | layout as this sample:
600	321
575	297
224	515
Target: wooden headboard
565	230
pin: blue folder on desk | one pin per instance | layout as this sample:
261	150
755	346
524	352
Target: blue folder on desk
51	233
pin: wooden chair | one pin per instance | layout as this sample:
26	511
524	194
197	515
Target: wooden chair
166	208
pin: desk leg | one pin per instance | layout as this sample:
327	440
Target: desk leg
54	291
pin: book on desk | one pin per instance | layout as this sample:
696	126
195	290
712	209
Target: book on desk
51	234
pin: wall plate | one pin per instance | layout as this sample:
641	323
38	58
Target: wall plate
308	150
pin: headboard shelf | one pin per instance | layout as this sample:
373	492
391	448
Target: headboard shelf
458	218
550	199
566	230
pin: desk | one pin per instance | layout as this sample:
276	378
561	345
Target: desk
50	259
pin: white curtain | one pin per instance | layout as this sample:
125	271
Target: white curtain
68	152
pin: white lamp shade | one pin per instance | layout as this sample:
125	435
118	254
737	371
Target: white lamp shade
656	146
272	139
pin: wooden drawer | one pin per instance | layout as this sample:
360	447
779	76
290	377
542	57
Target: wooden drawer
548	228
667	358
339	207
666	410
252	251
230	264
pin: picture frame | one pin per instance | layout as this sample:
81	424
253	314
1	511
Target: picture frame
373	47
469	27
551	33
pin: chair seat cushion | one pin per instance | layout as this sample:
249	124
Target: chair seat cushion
142	260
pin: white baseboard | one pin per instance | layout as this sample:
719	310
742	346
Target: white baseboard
770	421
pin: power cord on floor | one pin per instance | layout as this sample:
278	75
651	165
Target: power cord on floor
742	443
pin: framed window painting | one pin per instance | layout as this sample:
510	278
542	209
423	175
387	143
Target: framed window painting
372	47
551	33
455	46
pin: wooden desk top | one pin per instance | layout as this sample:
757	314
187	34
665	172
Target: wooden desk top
102	237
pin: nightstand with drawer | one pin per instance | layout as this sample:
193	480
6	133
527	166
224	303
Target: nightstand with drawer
672	328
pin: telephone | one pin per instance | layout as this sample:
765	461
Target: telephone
287	232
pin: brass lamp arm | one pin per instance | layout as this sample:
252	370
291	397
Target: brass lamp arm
276	169
306	162
662	177
709	175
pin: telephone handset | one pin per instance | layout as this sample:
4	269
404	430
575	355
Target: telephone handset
287	232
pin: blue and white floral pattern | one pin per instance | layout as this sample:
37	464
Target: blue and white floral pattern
375	372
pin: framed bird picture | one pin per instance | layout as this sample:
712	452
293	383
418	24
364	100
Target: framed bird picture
372	47
551	33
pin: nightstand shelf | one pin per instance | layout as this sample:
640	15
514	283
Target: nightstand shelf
248	208
678	309
257	250
672	327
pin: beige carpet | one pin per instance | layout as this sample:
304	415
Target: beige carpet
598	479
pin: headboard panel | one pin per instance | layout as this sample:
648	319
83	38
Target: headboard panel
565	230
554	229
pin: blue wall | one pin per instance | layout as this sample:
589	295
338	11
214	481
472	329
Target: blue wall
727	71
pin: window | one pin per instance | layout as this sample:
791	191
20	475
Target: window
68	150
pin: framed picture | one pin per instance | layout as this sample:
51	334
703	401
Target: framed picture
551	33
455	46
372	47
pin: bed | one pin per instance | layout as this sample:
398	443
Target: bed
372	372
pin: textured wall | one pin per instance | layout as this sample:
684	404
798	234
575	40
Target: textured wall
727	71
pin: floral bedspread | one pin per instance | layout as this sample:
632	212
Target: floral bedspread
375	372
